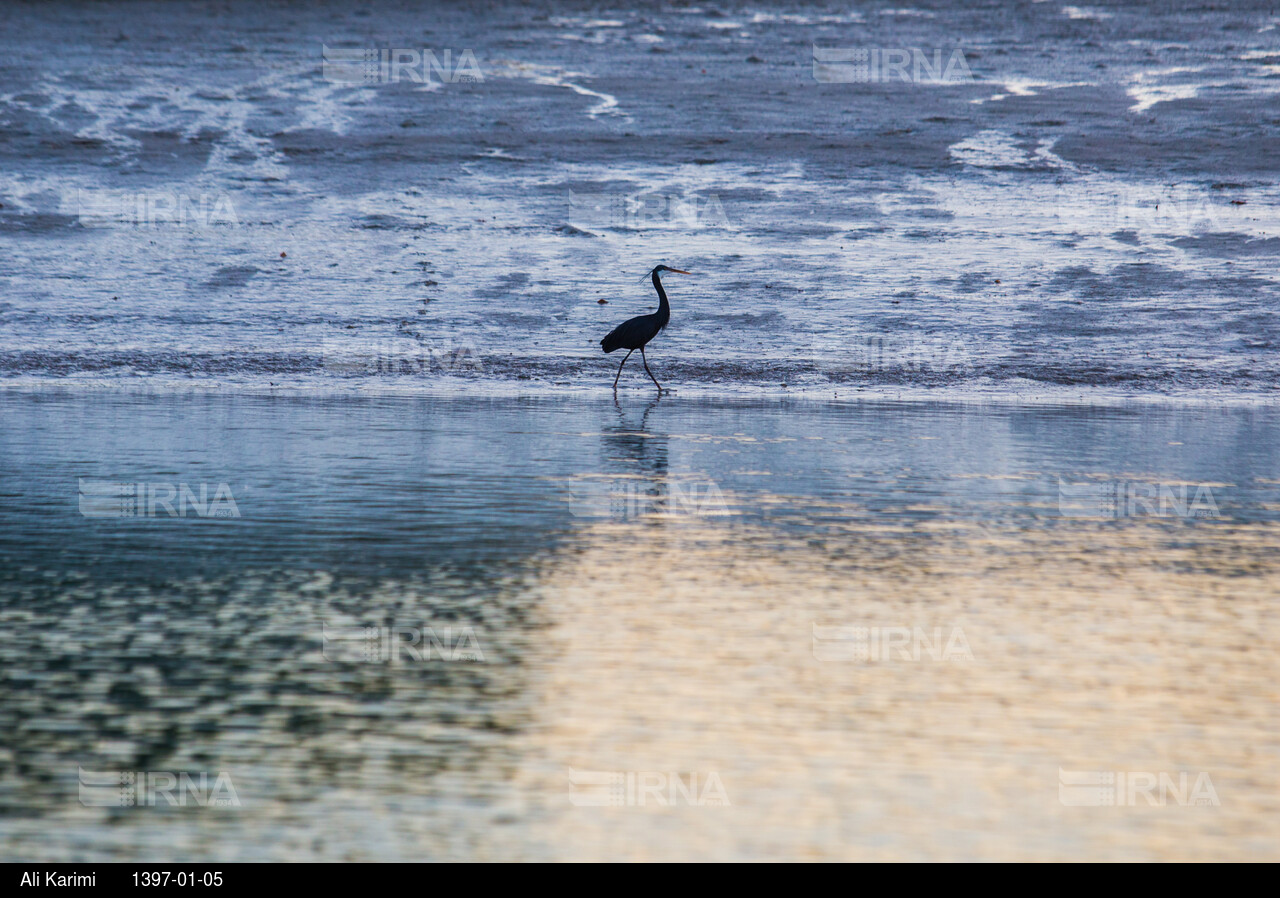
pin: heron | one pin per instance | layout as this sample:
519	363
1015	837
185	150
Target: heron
636	332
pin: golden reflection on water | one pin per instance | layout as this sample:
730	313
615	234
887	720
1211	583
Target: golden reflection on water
681	645
687	646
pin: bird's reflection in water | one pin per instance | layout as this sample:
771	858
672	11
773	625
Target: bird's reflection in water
641	457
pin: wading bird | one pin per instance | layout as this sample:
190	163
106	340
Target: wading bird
634	334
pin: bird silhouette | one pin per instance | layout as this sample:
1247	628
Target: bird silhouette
636	332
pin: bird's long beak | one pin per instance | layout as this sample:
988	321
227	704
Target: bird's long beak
679	271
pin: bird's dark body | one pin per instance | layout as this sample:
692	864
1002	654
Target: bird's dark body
636	333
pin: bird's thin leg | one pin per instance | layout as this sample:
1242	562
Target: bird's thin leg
619	374
646	368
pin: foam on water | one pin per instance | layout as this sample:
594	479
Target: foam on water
551	76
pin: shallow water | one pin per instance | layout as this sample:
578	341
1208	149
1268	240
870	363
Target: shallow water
654	589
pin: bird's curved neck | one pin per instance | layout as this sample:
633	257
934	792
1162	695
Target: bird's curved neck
664	308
